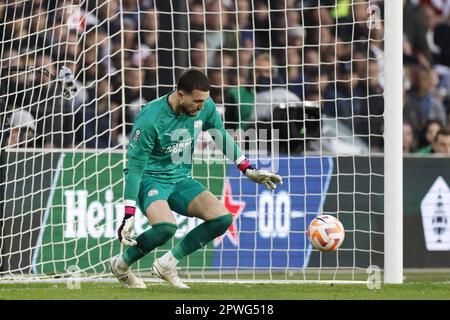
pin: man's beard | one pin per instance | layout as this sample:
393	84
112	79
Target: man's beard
188	113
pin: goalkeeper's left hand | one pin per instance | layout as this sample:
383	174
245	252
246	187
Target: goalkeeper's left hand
269	179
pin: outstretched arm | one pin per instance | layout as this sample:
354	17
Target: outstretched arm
139	149
269	179
230	148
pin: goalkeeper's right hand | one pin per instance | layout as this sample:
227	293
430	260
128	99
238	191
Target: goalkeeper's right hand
125	229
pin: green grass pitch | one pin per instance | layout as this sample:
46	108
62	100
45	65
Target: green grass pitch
432	286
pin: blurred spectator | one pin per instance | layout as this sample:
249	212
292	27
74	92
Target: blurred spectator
428	134
137	93
415	28
422	95
217	24
258	54
196	21
148	28
239	110
408	138
426	43
22	128
245	60
271	91
368	106
439	39
294	71
106	12
38	27
339	96
218	83
296	34
226	60
261	25
411	111
198	56
32	89
441	143
98	121
244	23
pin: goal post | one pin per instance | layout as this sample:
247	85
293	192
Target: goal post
306	88
393	154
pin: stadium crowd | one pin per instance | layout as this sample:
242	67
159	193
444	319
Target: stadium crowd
258	54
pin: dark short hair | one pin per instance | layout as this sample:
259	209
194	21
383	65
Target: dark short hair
193	79
442	132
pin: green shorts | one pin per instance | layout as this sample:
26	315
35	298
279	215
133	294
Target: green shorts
177	194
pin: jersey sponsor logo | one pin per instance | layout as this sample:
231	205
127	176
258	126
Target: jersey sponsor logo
137	134
180	132
435	208
176	147
153	192
198	124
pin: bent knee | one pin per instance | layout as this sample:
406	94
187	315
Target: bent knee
165	231
228	219
222	223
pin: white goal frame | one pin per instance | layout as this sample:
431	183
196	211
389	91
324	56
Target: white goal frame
393	154
393	176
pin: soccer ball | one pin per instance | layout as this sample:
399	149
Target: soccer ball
326	233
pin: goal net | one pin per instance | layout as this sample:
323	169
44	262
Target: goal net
299	84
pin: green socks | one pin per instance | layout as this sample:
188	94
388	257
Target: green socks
201	235
162	232
159	234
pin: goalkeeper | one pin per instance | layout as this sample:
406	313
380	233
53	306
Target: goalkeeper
158	179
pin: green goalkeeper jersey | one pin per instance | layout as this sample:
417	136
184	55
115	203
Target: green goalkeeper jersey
162	143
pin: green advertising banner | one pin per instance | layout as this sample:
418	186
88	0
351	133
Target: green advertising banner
85	210
61	212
